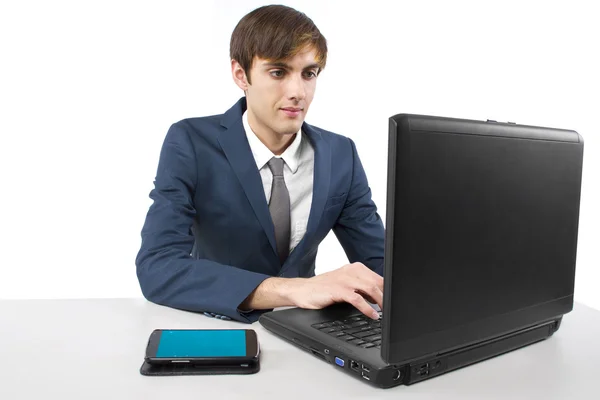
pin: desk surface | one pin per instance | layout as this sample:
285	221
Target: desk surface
92	349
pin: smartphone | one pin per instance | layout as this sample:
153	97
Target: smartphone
203	346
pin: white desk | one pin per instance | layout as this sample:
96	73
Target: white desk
92	349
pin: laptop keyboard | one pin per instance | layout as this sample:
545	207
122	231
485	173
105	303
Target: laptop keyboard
358	330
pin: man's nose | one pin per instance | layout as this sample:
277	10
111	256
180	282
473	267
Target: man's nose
296	88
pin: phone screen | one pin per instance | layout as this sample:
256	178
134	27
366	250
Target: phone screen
202	343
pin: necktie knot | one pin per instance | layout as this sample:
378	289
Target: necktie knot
276	166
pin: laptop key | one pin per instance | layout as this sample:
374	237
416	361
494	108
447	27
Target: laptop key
352	331
352	319
364	334
328	330
347	338
366	345
319	326
373	338
356	341
338	333
358	323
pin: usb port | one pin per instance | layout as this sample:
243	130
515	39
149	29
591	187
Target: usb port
364	375
365	368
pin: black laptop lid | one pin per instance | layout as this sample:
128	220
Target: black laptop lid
481	231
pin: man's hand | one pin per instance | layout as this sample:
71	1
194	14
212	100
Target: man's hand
352	283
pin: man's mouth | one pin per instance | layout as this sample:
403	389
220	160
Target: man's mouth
292	111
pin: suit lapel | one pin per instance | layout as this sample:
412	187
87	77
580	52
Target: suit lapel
235	145
321	178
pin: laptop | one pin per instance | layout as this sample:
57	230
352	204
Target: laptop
480	250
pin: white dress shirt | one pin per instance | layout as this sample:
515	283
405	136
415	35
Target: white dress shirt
298	170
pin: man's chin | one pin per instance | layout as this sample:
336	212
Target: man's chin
290	129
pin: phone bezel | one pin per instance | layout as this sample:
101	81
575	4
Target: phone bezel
252	350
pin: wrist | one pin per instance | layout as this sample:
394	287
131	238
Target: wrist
289	288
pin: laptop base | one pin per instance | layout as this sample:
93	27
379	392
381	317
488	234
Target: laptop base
370	368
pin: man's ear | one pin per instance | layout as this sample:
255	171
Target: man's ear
239	75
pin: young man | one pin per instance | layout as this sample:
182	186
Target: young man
242	200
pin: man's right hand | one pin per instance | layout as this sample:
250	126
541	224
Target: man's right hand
352	283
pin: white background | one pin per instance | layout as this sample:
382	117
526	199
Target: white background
89	89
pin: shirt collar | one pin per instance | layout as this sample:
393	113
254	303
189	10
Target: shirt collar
262	154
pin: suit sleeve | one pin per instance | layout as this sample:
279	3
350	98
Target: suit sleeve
166	271
359	228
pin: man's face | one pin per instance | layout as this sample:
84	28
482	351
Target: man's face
280	93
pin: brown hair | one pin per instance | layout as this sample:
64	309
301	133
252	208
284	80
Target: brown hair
275	33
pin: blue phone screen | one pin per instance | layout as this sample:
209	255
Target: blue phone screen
199	343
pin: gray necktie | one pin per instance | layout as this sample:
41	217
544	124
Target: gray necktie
279	207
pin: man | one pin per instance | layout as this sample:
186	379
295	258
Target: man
242	200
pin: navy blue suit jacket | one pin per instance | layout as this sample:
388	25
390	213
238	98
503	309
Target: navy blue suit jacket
208	240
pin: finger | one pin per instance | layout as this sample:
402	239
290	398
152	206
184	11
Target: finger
361	305
373	292
368	298
378	279
369	283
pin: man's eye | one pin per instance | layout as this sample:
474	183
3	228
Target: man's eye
277	73
311	74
